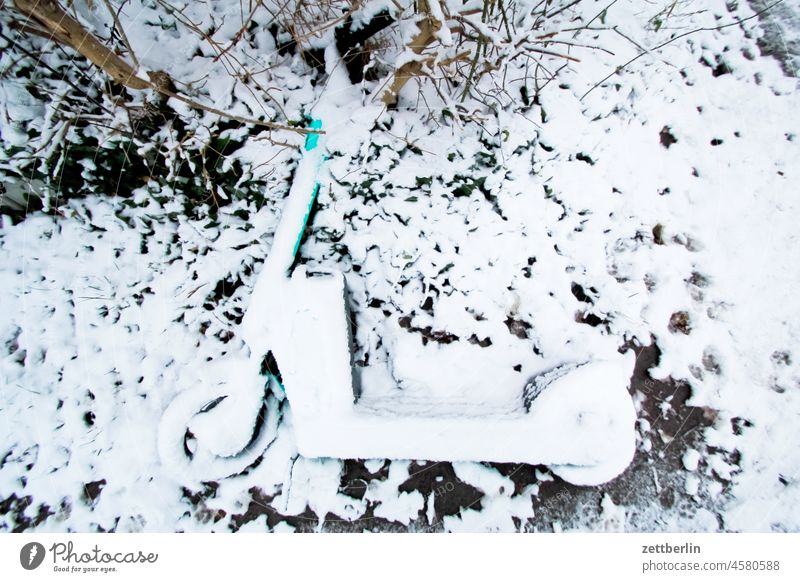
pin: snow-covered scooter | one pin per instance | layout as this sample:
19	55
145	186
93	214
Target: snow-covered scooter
578	419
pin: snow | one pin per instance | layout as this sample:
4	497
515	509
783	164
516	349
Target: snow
502	507
402	507
221	414
692	484
115	369
691	458
613	515
314	485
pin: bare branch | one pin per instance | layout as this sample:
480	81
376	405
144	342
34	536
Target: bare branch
67	30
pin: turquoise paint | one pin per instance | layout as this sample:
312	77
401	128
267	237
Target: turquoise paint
272	378
305	219
313	138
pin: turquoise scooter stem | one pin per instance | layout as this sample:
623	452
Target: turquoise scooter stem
296	210
312	140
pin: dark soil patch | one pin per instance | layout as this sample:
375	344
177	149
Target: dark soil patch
654	482
92	491
680	322
18	507
666	137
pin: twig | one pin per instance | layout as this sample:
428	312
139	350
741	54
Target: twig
472	69
598	15
122	34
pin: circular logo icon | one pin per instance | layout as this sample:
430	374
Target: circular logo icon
31	555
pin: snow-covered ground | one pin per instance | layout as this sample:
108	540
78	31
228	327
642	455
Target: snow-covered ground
654	212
